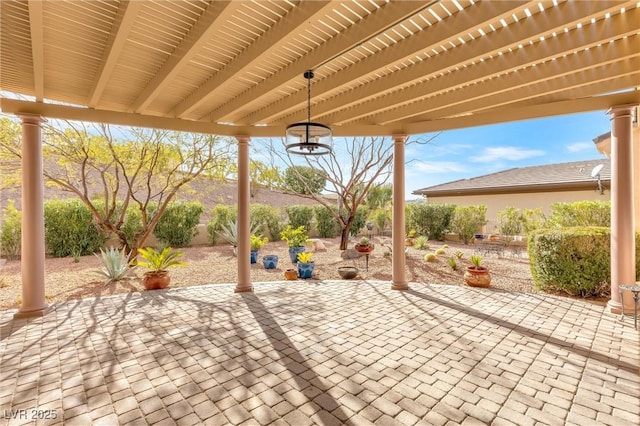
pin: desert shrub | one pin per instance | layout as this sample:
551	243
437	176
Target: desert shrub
580	213
326	224
300	216
573	260
533	219
221	216
177	225
69	229
270	217
441	251
468	220
453	264
381	217
510	221
359	221
421	243
430	219
430	257
11	231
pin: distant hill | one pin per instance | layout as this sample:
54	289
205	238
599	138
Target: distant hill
208	192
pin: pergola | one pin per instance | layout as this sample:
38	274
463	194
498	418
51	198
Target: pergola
385	68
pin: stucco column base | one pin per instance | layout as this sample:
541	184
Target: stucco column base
33	314
243	289
399	286
616	307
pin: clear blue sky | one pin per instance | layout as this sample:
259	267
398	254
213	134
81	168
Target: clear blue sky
476	151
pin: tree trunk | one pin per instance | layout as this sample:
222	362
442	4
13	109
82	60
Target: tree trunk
344	238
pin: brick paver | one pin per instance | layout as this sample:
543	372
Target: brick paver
333	352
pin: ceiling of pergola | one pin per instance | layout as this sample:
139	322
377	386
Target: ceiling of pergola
380	67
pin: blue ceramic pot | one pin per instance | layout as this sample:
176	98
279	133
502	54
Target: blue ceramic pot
254	256
305	270
270	261
293	253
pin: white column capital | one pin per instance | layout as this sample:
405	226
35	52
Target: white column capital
619	110
28	118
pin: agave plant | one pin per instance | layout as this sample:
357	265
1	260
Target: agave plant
115	264
230	231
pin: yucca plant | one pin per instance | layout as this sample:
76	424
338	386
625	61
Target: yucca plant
115	265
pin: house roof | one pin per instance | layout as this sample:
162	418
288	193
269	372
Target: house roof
381	67
543	178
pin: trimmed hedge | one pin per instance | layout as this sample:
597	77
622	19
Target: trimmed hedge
11	232
221	215
300	216
269	217
573	260
429	219
326	223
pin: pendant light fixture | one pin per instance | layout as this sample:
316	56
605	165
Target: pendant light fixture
308	138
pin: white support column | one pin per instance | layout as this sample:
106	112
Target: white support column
398	257
623	249
33	251
244	248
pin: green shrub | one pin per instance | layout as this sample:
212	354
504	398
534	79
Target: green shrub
326	224
510	221
300	216
573	260
177	225
359	221
11	232
533	219
468	221
452	263
421	243
381	217
69	229
580	213
221	216
270	217
430	219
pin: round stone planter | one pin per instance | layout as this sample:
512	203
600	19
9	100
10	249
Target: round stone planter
347	272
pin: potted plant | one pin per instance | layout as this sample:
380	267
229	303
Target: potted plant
364	246
295	238
476	274
410	236
256	244
158	262
305	264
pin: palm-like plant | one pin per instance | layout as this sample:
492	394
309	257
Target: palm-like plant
115	265
159	261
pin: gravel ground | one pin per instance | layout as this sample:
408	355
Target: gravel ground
67	280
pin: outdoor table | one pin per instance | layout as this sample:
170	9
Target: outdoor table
636	296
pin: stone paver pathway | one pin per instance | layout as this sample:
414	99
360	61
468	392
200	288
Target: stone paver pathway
326	353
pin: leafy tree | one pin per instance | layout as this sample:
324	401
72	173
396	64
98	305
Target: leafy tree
263	176
304	180
379	197
137	168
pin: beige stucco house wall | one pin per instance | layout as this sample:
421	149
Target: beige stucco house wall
497	202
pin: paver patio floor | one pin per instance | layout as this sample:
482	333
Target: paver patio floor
333	352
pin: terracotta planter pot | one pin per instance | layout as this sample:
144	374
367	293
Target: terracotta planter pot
291	274
156	280
364	248
477	277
